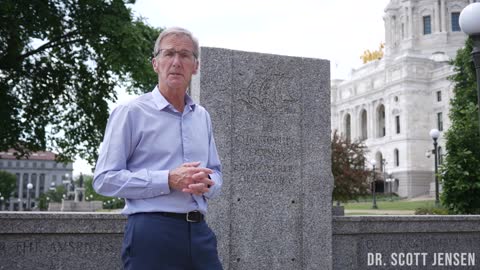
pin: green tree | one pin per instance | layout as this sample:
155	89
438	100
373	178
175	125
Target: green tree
53	195
460	172
56	195
108	202
60	62
7	183
348	168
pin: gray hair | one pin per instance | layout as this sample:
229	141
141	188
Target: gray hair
176	31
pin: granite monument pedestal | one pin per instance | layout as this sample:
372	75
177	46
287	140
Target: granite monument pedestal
271	118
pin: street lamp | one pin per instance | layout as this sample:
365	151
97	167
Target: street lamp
1	203
29	188
470	25
374	206
52	186
434	133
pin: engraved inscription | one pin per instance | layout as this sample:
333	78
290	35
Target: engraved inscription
269	93
44	247
268	158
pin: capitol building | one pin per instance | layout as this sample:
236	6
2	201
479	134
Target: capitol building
392	103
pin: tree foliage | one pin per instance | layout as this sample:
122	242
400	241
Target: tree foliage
108	202
60	62
53	195
7	184
460	172
348	168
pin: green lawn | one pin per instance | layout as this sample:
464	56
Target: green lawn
387	205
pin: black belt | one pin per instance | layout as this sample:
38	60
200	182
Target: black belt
194	216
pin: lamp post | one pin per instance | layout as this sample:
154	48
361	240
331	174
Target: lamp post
374	206
470	25
434	133
29	188
1	203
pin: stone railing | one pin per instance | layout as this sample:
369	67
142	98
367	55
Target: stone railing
84	241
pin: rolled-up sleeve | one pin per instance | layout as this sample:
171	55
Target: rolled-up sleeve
112	177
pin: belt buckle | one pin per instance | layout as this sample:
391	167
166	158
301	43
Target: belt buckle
195	217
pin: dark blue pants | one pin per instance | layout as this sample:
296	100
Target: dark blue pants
153	241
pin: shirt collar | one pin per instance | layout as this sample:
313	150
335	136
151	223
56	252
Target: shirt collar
162	103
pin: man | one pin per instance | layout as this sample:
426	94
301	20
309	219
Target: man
159	154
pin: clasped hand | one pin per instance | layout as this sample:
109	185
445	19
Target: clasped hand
190	178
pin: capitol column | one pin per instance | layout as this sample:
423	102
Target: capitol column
410	22
386	20
443	16
437	16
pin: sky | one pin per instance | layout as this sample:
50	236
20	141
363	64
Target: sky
339	31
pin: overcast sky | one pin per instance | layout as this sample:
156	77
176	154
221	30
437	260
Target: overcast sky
335	30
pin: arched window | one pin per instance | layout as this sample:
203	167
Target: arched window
397	124
363	125
348	127
379	159
381	132
396	157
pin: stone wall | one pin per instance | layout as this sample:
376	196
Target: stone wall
55	241
49	241
406	242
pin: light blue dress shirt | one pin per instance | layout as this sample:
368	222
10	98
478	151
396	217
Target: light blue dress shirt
143	141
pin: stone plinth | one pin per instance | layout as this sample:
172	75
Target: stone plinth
271	117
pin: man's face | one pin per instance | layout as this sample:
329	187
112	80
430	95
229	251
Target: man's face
175	63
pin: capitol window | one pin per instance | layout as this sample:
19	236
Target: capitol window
381	131
440	121
427	25
348	127
455	22
396	157
397	124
